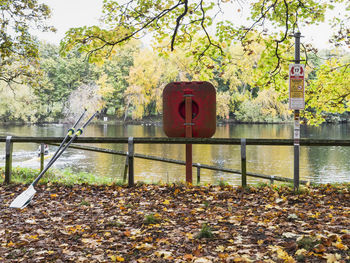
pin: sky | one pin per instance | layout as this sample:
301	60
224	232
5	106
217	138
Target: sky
76	13
70	13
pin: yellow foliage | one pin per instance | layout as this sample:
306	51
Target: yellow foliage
104	89
166	202
281	254
116	258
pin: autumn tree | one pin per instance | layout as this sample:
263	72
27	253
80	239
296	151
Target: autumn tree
175	24
179	21
18	48
113	80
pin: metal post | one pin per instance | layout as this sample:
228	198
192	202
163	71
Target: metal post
198	173
42	153
296	166
131	161
297	48
243	162
188	133
8	161
296	120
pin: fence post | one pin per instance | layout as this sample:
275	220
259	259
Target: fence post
126	167
198	173
131	161
42	153
8	162
243	162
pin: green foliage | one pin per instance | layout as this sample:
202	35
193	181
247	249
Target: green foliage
206	204
113	80
84	202
265	108
328	92
205	232
26	175
66	176
247	64
307	242
151	219
222	183
62	76
259	62
18	103
18	48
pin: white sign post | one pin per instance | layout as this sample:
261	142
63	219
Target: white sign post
296	87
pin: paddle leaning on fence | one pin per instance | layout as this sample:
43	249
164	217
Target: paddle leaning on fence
24	198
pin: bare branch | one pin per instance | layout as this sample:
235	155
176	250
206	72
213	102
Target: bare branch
283	38
206	33
178	21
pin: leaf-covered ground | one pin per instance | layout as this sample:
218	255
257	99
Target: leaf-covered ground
152	223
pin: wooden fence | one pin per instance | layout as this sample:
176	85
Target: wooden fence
130	155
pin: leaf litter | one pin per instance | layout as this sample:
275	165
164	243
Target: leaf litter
176	223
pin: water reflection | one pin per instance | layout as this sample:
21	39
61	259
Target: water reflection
319	164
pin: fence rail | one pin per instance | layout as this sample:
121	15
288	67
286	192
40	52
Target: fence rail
161	140
130	155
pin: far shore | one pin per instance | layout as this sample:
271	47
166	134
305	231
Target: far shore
154	121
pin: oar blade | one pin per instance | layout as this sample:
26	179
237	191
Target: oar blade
24	198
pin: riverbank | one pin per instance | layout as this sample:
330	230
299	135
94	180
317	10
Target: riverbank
176	223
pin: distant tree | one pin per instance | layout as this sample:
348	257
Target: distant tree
85	96
113	80
18	103
145	85
61	77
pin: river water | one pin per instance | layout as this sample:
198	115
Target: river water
317	164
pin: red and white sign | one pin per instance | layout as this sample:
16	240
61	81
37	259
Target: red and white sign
296	87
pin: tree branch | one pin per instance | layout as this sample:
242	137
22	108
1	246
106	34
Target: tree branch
178	21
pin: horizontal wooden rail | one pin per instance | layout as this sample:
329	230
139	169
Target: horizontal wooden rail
164	140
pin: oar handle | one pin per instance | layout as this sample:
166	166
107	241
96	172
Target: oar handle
79	132
69	133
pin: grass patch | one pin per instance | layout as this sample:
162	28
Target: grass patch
151	219
66	177
260	185
223	184
205	232
84	202
307	243
206	204
114	223
26	175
